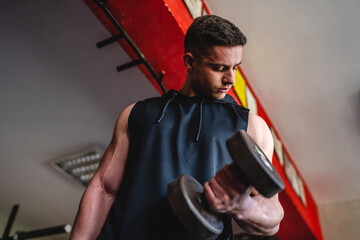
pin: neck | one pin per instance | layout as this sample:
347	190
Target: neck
186	88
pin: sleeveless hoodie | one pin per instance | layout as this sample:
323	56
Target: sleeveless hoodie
169	136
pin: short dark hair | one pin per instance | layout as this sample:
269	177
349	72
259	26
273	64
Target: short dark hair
209	31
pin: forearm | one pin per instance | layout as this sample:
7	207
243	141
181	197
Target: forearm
94	208
99	196
261	216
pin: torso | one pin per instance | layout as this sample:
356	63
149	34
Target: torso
189	139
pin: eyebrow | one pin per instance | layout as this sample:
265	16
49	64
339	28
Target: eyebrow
221	64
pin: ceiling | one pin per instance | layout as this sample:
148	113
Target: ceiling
60	94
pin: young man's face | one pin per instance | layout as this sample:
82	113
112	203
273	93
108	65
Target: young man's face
214	73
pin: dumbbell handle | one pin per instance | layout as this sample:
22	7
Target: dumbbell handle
240	198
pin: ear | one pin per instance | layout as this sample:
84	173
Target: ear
189	60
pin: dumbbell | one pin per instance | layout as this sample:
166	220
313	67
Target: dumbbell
186	195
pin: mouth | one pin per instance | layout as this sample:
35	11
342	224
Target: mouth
223	90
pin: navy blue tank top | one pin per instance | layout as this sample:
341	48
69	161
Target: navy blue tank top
169	136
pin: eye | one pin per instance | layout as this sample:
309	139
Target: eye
219	68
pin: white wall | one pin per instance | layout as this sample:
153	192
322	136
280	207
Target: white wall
340	220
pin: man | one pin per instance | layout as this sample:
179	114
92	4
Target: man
158	139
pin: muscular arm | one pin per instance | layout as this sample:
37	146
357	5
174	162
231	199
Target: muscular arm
100	193
226	191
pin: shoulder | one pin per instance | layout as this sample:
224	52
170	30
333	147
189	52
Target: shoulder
124	115
122	123
260	132
149	103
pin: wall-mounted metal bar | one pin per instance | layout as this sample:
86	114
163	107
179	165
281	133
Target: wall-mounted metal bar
158	78
34	233
109	40
128	65
10	222
44	232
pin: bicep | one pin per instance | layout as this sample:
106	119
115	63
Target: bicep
111	168
260	133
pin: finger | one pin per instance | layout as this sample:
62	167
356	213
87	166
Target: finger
238	183
209	193
213	201
219	201
218	190
226	183
254	192
229	178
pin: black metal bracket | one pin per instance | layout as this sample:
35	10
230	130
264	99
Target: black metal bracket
129	65
43	232
123	34
10	221
31	234
109	40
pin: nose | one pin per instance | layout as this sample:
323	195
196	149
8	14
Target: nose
229	77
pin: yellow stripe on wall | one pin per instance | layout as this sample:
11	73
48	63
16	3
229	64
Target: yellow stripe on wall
240	88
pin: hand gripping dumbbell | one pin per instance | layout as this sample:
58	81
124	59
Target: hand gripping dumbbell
186	195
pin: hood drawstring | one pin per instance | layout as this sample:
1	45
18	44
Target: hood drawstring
173	95
200	121
166	105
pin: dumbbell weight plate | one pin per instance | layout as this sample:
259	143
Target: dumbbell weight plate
185	199
254	164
